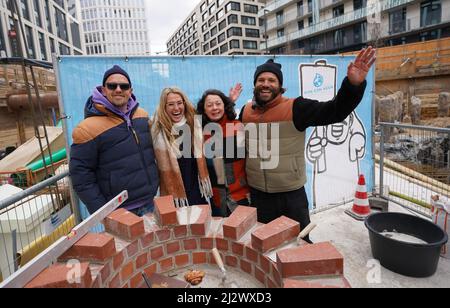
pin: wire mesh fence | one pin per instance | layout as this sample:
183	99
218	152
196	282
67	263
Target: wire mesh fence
414	164
32	219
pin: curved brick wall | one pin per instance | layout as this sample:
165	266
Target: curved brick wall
172	239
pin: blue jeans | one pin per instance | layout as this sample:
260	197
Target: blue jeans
141	211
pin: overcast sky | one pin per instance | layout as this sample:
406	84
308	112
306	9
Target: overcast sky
164	17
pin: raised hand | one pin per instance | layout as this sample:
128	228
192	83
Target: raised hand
235	92
357	71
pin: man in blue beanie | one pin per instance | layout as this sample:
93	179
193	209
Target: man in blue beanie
112	148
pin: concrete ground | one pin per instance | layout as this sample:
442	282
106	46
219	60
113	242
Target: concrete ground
352	239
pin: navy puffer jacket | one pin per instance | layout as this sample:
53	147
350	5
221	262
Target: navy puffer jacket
108	156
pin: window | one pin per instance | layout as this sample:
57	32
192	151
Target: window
246	20
234	44
221	38
206	47
338	11
24	9
220	14
223	48
300	8
215	51
47	16
430	13
280	18
212	20
252	33
213	43
233	6
207	36
280	32
248	8
397	21
360	32
301	25
42	46
76	37
204	27
30	42
250	44
359	4
213	31
339	38
37	13
234	31
233	19
203	7
222	24
61	26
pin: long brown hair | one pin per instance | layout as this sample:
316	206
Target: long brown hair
164	123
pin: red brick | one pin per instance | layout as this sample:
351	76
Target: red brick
147	240
56	276
200	227
206	243
172	247
132	249
115	282
156	253
265	264
276	275
237	249
141	260
105	272
136	281
231	261
150	270
275	233
199	257
240	222
180	231
310	260
251	254
163	235
182	260
246	267
92	247
166	264
118	260
165	211
124	224
190	244
127	271
96	283
222	244
271	284
259	274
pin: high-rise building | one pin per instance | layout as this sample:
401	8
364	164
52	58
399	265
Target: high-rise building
50	26
332	26
219	27
115	27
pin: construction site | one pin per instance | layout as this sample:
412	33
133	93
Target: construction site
42	229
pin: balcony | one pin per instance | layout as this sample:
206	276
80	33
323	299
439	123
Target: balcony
282	20
274	6
340	21
327	3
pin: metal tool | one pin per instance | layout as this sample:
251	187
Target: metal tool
221	265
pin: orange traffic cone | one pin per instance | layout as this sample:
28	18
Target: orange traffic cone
361	207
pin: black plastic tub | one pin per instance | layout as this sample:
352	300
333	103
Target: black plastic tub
413	260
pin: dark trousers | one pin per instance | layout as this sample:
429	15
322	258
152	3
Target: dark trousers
293	204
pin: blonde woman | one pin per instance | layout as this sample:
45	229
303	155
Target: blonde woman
178	145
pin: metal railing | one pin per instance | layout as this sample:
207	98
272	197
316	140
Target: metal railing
32	219
414	164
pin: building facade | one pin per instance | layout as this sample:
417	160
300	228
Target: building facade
219	27
50	26
115	27
332	26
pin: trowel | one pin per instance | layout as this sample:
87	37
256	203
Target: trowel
305	232
225	283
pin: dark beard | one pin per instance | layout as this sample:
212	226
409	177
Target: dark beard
259	101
